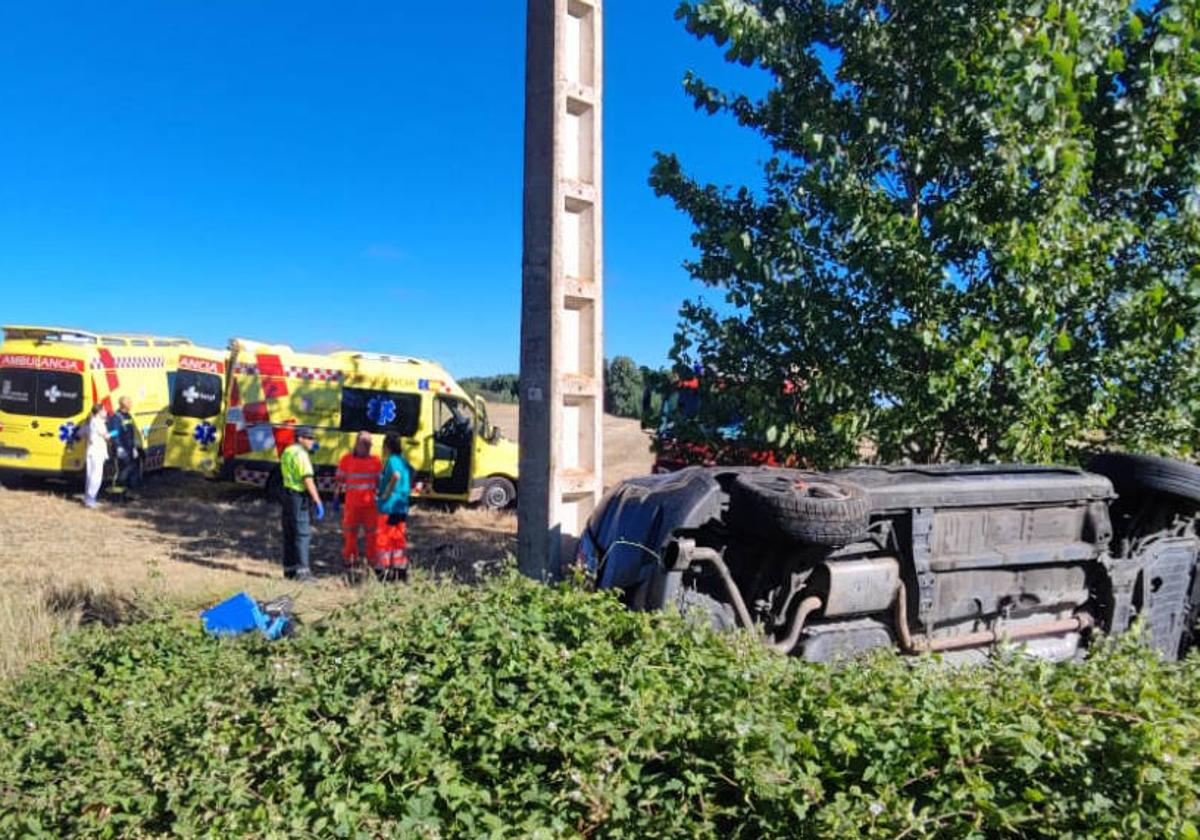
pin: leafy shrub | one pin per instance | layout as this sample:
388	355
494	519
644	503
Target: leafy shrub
519	710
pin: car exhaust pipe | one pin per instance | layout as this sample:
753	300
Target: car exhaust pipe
690	553
923	644
807	607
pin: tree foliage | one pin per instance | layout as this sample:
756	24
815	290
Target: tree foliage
623	387
977	234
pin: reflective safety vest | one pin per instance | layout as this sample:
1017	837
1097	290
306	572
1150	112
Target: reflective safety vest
358	477
295	465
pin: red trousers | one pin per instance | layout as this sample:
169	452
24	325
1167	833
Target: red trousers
391	542
354	518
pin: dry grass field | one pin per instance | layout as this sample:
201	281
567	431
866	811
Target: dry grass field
188	542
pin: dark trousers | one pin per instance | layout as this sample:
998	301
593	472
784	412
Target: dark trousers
129	473
297	532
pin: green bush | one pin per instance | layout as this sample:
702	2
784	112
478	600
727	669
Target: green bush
518	710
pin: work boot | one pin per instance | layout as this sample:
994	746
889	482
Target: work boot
305	576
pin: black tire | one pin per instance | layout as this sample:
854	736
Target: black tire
274	487
498	493
705	610
799	507
1141	474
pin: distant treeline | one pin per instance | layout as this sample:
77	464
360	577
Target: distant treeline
501	388
623	382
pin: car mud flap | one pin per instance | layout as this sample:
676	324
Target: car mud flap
1166	581
922	554
1122	579
662	588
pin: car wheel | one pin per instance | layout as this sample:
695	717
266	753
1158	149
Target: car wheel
702	609
801	507
1137	474
498	493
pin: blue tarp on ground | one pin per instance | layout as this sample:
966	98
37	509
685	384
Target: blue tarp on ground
241	614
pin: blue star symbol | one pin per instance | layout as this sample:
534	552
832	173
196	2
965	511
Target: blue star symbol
381	412
205	434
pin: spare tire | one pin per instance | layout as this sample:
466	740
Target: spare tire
799	507
1140	474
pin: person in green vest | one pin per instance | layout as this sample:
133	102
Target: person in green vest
301	501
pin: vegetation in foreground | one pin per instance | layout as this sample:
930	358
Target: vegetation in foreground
520	710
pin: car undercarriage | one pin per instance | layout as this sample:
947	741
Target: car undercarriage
950	559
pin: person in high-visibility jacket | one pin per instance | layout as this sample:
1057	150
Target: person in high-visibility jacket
391	538
299	496
357	480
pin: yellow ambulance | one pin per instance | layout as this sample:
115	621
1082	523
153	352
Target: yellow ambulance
51	376
455	453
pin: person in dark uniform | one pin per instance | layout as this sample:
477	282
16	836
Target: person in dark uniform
128	446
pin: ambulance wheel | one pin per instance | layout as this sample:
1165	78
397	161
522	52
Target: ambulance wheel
274	486
498	493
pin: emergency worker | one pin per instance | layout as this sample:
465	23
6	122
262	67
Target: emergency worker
391	558
127	442
300	496
357	479
96	436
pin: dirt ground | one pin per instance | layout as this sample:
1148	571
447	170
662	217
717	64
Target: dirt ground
188	542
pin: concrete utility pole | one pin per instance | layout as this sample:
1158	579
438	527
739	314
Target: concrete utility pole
562	328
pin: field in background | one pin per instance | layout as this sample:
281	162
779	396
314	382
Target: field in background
189	542
626	446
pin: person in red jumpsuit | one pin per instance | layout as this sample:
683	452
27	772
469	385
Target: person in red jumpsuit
357	479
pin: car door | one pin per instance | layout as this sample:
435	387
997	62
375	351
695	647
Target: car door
453	446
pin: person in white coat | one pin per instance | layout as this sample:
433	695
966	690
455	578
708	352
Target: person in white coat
96	434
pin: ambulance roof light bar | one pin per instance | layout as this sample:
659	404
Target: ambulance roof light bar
250	344
379	357
60	335
70	335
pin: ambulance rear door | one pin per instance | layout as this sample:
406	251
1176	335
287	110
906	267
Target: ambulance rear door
197	388
43	399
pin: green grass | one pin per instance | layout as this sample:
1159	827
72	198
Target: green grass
520	710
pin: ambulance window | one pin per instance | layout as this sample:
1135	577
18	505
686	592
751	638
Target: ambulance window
195	394
365	409
17	389
137	342
112	340
41	393
59	394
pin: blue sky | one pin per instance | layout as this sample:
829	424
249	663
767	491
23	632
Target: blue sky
327	174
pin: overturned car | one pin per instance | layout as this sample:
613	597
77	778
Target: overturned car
949	559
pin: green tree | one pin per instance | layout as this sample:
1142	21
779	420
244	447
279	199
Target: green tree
978	230
623	387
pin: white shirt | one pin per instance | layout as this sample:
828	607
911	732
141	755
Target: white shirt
97	436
